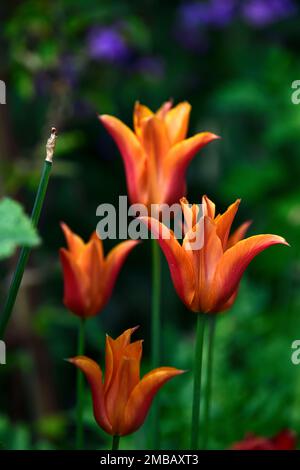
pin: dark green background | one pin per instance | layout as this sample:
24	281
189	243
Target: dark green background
239	85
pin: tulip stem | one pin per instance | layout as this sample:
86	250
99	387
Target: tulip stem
197	382
155	333
207	393
79	421
115	443
25	251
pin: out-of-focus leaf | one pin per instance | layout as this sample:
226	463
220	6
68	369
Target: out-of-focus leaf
15	228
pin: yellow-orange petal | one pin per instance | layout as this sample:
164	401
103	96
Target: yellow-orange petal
224	222
180	266
177	121
74	242
113	264
238	234
176	162
208	207
114	349
126	377
99	246
93	374
142	395
140	113
156	143
131	152
235	260
75	285
205	260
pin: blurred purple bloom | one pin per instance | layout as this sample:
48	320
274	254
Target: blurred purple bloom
153	66
107	44
264	12
215	13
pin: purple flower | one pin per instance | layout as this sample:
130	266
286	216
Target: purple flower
264	12
107	43
215	12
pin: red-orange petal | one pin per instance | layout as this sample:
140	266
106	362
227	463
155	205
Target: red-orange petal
74	242
142	395
140	113
93	374
224	222
131	152
75	285
235	260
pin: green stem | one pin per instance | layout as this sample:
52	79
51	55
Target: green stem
208	385
155	333
79	423
197	382
115	443
25	251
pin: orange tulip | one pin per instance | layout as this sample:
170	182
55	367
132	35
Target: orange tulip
121	403
89	277
207	279
156	155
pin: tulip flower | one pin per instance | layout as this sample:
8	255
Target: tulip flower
157	153
207	279
284	440
206	275
121	402
89	277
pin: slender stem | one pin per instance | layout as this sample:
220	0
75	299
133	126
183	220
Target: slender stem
25	251
155	334
208	385
197	382
115	443
79	423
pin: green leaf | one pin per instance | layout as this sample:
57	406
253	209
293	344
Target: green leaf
15	228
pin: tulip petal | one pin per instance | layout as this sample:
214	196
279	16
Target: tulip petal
164	109
176	163
224	222
238	234
74	242
142	395
177	121
205	259
93	374
131	152
114	349
156	144
113	264
140	113
209	207
99	246
75	284
235	260
91	264
180	266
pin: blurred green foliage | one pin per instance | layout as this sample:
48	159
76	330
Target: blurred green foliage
238	79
